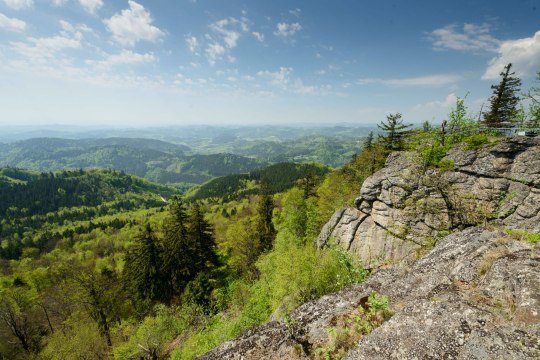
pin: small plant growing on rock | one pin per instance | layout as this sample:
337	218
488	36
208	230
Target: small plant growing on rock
350	328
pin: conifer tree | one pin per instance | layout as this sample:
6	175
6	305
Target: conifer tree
178	252
142	275
264	228
504	100
202	238
368	142
395	131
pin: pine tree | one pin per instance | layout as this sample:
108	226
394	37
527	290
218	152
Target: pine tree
178	252
202	239
395	132
504	99
368	142
142	275
264	228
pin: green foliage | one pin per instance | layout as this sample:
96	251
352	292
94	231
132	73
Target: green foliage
395	132
77	339
524	235
352	327
142	271
152	159
503	103
279	177
476	141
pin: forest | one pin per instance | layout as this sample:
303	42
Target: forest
101	264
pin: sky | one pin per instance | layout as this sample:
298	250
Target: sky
127	63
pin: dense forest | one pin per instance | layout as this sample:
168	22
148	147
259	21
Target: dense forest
100	264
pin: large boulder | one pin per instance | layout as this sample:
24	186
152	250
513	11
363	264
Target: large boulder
476	295
406	206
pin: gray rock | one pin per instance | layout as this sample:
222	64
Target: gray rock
476	295
404	206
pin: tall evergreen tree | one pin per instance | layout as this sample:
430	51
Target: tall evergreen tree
368	142
264	228
178	251
504	100
142	275
202	238
395	131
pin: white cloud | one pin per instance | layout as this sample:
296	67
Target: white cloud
295	12
226	34
126	57
524	54
59	3
229	30
91	5
279	78
470	38
214	52
448	102
430	80
258	36
133	25
42	49
193	44
11	23
19	4
285	30
69	28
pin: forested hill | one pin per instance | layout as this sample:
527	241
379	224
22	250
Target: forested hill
154	160
34	201
278	177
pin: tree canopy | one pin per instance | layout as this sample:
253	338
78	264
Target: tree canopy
504	101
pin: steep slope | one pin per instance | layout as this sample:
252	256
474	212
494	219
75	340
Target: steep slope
473	294
407	206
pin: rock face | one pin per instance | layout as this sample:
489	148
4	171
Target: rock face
476	295
404	205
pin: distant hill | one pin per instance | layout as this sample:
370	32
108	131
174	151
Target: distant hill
34	202
279	177
154	160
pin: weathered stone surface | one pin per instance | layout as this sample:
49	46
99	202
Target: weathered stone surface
403	205
476	295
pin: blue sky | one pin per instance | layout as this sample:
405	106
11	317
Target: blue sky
147	63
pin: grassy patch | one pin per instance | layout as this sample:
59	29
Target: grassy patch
524	235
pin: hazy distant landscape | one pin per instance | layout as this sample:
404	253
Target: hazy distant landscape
182	155
269	180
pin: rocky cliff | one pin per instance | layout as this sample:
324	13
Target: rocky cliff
474	295
407	206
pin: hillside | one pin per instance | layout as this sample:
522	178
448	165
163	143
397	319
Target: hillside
154	160
278	178
456	261
34	204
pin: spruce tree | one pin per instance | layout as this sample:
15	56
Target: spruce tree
504	100
264	228
142	275
202	239
395	131
178	251
368	142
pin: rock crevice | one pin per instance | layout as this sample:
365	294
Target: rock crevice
404	206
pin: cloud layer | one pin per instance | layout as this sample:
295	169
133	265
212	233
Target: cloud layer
524	54
133	25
